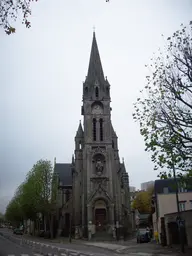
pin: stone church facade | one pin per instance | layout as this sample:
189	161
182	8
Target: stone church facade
94	188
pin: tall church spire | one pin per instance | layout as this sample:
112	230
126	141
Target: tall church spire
95	70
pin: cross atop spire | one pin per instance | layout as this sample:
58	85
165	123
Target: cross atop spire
95	70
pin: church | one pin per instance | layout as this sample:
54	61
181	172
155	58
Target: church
93	196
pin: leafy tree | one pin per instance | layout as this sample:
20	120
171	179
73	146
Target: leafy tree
142	201
9	11
1	218
37	195
14	211
164	110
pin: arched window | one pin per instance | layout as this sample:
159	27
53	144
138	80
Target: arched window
101	129
113	144
80	145
94	129
96	92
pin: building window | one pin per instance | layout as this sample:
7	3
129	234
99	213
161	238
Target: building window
107	89
113	144
94	129
165	190
182	206
101	129
80	145
96	92
86	91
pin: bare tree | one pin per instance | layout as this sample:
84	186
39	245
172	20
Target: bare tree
164	109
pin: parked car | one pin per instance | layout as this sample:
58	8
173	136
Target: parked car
18	231
143	236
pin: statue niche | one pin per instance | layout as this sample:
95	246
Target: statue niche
99	163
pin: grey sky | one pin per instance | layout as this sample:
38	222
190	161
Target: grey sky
42	70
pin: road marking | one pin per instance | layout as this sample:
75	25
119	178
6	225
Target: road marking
140	254
24	254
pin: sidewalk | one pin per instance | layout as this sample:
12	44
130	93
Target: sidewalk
177	249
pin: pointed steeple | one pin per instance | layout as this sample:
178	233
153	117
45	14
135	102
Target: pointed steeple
95	70
80	132
113	132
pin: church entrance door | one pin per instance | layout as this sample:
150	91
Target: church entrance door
100	219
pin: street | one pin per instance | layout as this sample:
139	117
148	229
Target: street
12	246
8	248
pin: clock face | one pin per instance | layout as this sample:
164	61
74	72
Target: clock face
97	110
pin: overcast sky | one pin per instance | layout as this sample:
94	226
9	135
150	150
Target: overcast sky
42	70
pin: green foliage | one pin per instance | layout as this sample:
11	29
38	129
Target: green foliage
2	217
38	194
14	211
164	111
10	10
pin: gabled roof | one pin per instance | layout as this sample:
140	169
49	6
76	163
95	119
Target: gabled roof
95	70
64	173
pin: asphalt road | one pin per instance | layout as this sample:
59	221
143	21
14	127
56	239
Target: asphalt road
8	248
128	248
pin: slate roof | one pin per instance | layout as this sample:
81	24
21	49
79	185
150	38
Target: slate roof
65	173
159	185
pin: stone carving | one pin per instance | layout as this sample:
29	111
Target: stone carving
99	166
97	150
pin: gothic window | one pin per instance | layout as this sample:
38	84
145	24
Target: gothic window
101	129
67	196
94	129
86	90
80	145
96	92
113	144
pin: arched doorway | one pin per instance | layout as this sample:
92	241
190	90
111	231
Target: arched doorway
100	212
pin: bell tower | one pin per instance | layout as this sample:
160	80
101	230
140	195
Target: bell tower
96	101
97	177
